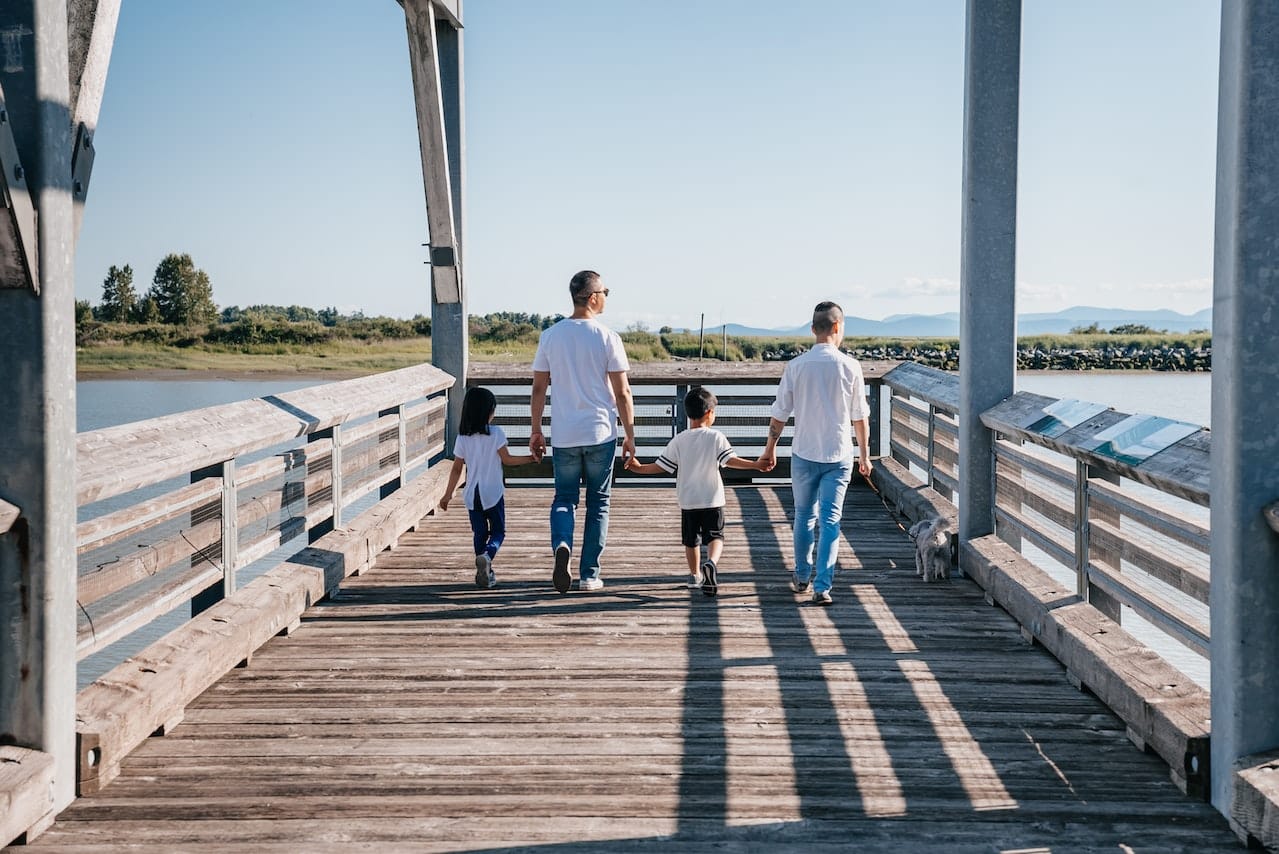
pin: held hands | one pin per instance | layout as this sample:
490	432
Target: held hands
630	463
767	461
537	445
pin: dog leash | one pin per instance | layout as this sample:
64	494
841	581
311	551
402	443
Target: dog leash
892	511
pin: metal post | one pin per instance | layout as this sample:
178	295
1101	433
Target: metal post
679	417
1244	597
37	385
987	318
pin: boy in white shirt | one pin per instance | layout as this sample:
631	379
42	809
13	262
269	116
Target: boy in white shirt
695	457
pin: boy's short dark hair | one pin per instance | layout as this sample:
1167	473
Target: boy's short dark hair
825	316
699	401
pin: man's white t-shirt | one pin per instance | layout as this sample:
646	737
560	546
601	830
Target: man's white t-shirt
825	391
695	457
580	354
483	467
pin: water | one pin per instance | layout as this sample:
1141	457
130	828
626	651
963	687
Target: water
1181	396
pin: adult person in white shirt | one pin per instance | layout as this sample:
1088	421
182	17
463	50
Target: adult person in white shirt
587	364
825	391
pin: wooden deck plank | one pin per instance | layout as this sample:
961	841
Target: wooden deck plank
415	712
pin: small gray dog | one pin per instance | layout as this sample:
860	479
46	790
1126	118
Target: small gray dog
932	548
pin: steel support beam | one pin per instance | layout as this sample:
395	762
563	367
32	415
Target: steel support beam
987	277
435	54
37	420
1244	599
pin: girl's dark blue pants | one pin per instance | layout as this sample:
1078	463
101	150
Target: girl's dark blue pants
488	528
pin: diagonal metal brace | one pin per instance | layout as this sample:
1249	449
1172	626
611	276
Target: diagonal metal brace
18	261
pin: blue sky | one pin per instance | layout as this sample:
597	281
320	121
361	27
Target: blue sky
739	159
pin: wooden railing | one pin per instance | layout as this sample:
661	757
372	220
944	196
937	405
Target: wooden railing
1125	527
658	391
181	509
1133	533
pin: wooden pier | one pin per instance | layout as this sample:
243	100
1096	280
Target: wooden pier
413	711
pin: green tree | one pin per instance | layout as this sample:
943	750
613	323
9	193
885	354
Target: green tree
119	300
83	312
1090	329
1134	329
147	311
183	294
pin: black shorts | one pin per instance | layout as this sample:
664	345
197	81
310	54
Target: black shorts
706	522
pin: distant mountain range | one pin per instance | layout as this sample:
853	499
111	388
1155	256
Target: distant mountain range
947	325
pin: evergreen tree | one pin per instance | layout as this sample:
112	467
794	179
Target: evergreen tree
183	294
119	301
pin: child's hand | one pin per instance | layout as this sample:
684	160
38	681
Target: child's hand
629	463
765	463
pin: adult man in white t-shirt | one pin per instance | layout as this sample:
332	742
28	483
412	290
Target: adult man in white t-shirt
825	391
587	363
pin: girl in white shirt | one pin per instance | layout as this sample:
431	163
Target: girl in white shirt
481	450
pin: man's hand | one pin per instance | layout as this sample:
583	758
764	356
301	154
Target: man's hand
767	461
628	449
537	445
863	466
444	503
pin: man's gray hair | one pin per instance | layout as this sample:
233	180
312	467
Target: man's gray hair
581	285
825	316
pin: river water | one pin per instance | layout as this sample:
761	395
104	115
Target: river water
105	403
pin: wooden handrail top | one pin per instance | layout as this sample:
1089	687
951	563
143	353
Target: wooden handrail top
119	459
705	373
1181	469
940	388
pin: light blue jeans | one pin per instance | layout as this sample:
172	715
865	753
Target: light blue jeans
589	466
818	490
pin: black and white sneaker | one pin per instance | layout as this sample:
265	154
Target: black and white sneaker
710	578
822	597
562	578
798	586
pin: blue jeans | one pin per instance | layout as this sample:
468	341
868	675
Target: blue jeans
488	528
818	490
589	466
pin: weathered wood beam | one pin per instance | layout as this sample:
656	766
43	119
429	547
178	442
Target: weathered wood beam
26	793
1255	814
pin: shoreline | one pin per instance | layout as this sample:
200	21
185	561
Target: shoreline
278	375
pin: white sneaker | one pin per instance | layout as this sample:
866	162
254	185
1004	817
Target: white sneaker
588	585
694	581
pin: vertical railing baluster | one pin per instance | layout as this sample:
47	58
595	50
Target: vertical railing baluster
334	434
227	507
679	418
1081	528
230	527
932	445
874	400
402	444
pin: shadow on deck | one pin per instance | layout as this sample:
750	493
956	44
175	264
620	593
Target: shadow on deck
415	712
